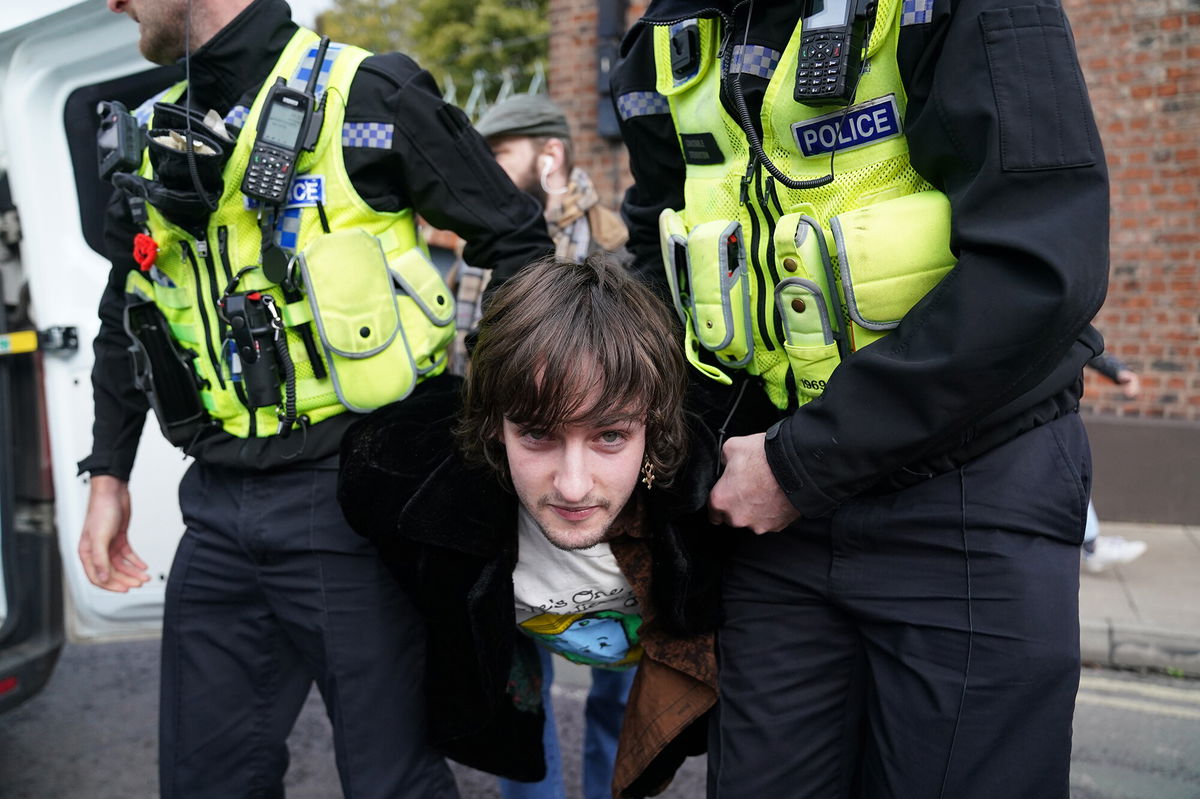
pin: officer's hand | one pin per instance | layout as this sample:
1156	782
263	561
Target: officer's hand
104	544
747	494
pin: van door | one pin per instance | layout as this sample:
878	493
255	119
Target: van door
31	622
53	70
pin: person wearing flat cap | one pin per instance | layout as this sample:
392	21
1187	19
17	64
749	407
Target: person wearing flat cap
531	141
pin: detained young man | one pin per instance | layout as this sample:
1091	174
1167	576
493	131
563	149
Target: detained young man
542	506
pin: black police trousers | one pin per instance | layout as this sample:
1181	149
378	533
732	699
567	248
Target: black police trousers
270	591
917	644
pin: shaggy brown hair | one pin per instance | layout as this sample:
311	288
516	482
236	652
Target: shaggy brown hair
560	332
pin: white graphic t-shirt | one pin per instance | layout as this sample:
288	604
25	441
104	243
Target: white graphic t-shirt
577	604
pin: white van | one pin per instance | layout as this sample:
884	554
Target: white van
58	59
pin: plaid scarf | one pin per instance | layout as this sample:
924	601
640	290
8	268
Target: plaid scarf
569	228
567	222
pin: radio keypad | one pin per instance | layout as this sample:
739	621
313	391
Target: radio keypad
267	175
818	71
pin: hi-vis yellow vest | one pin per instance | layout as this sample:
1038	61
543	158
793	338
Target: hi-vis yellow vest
377	307
765	277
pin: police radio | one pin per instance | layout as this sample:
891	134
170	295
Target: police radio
833	34
283	126
290	123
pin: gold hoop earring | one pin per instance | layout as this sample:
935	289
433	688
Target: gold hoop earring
648	474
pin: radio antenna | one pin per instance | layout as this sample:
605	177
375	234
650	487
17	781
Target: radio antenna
189	145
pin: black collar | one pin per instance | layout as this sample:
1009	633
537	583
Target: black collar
239	57
672	10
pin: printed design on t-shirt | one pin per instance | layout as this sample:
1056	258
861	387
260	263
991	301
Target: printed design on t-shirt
586	599
606	638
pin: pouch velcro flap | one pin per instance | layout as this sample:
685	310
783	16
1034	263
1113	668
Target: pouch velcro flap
801	305
891	255
350	290
416	276
801	251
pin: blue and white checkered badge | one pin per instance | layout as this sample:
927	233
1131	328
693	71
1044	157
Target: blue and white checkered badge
371	135
754	59
849	128
640	104
916	12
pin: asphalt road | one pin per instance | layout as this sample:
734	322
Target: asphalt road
91	734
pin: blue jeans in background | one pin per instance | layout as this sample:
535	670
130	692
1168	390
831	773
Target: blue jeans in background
602	726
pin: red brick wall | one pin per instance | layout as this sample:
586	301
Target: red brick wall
1141	59
572	83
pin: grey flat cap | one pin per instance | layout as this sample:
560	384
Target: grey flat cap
524	115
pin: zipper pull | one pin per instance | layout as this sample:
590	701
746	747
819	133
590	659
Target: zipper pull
744	196
202	247
772	195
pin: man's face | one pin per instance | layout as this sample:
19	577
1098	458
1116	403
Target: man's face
518	156
161	24
576	478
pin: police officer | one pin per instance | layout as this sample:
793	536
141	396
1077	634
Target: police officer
886	263
325	303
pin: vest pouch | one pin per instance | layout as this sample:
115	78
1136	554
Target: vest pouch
891	254
426	307
173	165
185	188
672	234
350	292
184	208
720	291
164	372
673	237
809	342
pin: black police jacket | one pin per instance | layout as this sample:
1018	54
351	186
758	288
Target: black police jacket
998	347
437	165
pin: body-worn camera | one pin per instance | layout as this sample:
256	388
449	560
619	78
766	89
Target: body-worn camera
118	140
255	327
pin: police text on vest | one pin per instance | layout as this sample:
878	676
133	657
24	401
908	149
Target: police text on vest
849	128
